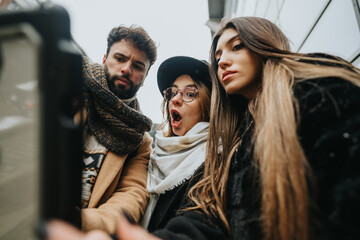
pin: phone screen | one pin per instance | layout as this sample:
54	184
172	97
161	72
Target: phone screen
40	144
19	133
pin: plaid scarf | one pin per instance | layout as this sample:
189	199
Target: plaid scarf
118	126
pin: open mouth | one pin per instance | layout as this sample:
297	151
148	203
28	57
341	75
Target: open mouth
176	118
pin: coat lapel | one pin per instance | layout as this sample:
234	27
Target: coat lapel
111	166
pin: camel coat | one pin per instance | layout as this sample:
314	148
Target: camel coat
121	185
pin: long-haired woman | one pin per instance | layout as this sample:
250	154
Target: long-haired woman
290	163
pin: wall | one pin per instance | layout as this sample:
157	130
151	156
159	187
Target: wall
330	26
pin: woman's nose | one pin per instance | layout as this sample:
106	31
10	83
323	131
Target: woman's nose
224	62
177	99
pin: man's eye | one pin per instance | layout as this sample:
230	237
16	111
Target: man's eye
138	67
119	59
238	46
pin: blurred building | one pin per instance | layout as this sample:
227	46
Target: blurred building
330	26
20	4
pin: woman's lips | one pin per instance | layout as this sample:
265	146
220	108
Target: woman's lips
227	75
175	124
176	118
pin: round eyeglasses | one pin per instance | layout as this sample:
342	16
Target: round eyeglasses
188	94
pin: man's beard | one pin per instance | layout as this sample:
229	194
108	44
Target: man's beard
119	90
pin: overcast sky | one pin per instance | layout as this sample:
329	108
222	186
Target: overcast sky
177	26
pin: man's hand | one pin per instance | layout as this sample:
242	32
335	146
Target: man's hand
59	230
127	231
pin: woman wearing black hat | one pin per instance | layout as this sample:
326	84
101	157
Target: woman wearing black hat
180	144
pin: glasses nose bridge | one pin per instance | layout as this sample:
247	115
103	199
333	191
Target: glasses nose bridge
176	95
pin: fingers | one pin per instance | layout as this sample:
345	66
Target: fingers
59	230
127	231
97	235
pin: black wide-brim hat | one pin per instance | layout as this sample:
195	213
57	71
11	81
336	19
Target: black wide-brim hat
174	67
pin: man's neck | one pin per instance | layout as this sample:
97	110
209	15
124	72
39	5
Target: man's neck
128	100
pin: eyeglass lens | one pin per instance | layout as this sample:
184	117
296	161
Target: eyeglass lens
188	94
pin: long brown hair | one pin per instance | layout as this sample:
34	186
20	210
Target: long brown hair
204	99
283	167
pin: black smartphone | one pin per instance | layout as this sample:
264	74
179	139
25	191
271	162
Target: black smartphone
40	144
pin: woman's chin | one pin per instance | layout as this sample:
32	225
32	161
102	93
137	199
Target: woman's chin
178	131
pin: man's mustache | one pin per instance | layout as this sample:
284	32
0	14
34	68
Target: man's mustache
117	76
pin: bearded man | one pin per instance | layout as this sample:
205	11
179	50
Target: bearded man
116	143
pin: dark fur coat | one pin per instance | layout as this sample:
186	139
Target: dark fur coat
330	136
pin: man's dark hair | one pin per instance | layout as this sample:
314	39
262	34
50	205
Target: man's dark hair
137	36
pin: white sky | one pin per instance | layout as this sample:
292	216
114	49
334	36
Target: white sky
177	26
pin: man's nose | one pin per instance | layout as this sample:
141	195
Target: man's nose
126	68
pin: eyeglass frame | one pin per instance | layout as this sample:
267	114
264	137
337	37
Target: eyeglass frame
181	91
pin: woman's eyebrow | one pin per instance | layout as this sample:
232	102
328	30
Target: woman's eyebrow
226	43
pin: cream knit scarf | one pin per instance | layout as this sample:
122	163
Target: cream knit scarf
173	161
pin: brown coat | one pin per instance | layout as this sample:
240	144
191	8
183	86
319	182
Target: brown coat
121	184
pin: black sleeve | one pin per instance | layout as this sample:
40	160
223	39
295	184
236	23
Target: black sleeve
330	135
191	224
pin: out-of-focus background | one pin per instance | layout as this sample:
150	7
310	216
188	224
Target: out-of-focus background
184	27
